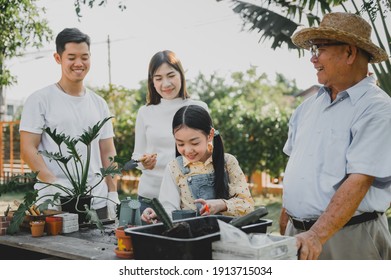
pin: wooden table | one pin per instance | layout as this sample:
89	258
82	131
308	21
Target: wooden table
85	244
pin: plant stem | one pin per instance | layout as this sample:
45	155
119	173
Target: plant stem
64	189
85	170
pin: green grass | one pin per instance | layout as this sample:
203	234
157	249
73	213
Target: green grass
273	205
274	209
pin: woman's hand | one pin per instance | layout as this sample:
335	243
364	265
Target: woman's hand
211	206
149	216
148	161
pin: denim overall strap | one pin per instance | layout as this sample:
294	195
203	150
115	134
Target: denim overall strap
200	185
184	169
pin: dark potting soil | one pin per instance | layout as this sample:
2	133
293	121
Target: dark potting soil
183	230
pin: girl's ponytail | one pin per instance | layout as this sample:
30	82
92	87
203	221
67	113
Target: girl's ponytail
221	178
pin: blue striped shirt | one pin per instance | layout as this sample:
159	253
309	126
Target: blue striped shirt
328	140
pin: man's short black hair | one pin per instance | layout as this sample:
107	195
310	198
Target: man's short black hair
70	35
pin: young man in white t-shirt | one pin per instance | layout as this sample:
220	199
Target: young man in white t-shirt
69	107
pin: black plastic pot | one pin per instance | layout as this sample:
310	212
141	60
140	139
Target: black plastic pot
150	244
69	205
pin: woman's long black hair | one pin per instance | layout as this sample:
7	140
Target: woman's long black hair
196	117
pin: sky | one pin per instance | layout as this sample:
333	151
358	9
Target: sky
206	35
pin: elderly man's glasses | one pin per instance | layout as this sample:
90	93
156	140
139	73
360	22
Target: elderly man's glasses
314	49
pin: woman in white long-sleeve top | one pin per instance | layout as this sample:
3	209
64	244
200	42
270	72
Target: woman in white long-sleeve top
154	142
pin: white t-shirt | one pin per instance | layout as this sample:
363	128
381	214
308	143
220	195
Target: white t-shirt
50	107
154	135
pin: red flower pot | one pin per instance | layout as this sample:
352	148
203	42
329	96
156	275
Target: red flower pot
53	225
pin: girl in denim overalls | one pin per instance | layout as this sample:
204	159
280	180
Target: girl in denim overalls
202	177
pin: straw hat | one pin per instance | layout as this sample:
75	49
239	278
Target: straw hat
342	27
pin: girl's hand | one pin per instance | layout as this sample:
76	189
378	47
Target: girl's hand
211	206
148	161
149	216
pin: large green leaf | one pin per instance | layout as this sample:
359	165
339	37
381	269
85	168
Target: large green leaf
55	156
17	219
110	171
269	24
72	150
58	138
92	132
275	21
17	181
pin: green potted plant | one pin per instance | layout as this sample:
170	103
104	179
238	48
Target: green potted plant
77	176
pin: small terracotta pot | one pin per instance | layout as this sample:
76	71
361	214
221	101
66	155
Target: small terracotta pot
124	243
53	225
123	254
37	228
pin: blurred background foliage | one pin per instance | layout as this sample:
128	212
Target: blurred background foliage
250	111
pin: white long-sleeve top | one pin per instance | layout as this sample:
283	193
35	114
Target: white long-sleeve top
154	135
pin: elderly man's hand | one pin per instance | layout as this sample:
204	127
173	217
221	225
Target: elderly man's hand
309	245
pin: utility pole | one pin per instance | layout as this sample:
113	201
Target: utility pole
109	60
2	103
2	96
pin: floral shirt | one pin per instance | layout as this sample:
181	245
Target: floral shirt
175	193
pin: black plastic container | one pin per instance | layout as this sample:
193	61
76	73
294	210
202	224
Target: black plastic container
150	244
68	204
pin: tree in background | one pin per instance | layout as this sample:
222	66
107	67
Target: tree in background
20	27
251	112
209	88
90	3
124	104
252	115
278	20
